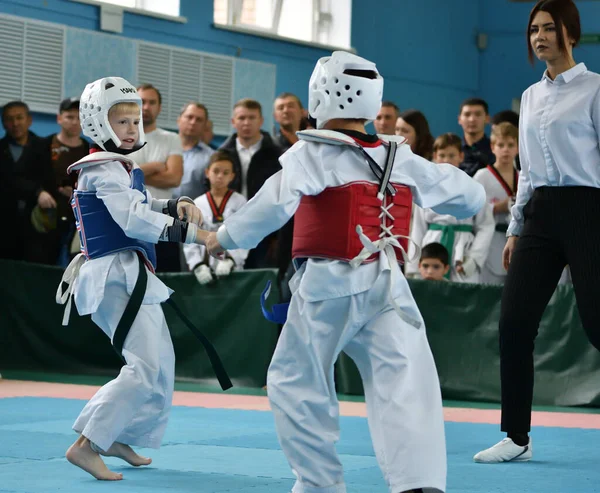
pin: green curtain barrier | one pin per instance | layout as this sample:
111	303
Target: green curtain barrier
227	312
462	328
461	321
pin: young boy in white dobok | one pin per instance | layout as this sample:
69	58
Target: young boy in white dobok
113	279
351	195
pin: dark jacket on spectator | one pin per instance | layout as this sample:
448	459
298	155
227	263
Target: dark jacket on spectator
21	182
263	165
282	141
477	156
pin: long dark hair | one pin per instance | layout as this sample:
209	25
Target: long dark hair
417	120
563	13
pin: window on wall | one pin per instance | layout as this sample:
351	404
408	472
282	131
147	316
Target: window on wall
324	22
165	7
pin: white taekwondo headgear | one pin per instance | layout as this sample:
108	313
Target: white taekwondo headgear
97	98
344	85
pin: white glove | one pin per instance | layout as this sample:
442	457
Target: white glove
224	267
469	266
203	274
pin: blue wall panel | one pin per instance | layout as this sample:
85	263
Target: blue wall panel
261	88
505	70
425	49
83	65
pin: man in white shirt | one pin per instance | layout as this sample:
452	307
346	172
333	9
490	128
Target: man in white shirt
192	124
256	158
161	160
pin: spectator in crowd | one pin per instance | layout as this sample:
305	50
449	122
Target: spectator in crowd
467	240
500	183
510	117
66	147
216	205
385	123
414	127
256	158
434	262
447	148
192	127
161	160
290	116
26	181
473	116
287	111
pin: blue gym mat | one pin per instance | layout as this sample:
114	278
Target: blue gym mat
216	450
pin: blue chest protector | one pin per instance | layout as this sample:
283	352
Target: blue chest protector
100	235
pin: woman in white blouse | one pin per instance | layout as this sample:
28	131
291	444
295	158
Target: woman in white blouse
556	216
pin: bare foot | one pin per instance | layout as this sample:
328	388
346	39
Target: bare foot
82	455
126	453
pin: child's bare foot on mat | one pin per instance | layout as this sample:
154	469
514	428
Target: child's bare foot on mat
81	455
126	453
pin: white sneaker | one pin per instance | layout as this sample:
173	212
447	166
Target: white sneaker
505	451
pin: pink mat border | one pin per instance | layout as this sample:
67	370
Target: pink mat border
19	388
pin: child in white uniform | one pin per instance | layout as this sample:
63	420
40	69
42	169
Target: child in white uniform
350	194
500	183
466	239
119	223
216	205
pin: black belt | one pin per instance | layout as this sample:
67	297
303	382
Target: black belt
501	228
133	307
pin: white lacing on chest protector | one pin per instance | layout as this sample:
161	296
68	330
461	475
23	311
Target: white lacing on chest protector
385	244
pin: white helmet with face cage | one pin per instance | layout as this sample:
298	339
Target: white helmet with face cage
344	85
96	100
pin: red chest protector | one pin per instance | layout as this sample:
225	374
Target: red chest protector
325	224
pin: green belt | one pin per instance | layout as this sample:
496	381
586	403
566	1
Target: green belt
447	238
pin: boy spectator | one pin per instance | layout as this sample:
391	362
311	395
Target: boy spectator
512	118
466	240
500	183
434	262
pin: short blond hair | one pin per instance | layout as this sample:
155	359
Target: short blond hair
123	108
504	130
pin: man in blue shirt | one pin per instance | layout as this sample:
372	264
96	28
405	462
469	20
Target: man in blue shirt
192	124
